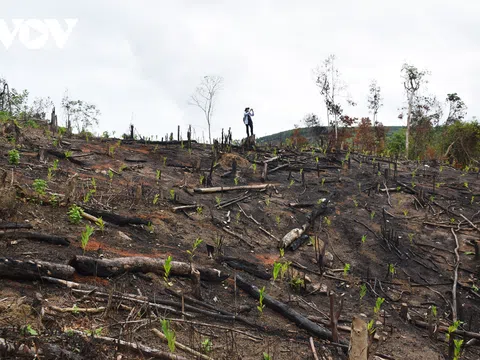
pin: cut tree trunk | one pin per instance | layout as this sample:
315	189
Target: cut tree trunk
231	188
51	239
33	270
358	349
112	267
117	219
300	320
296	233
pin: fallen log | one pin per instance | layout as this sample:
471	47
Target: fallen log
61	155
301	205
444	329
145	350
135	160
294	234
231	188
300	320
185	207
46	351
244	265
9	226
33	270
85	265
117	219
279	168
51	239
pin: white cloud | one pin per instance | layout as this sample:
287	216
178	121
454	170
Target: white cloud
146	57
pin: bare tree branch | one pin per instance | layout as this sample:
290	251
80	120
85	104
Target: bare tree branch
205	96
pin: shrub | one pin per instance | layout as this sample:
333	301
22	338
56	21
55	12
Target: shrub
40	185
13	157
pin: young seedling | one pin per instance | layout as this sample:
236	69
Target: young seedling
155	199
405	213
370	327
284	269
86	237
101	224
68	154
378	305
278	220
111	150
410	237
75	214
237	217
267	202
457	348
323	182
346	269
282	252
277	266
261	306
363	291
296	283
55	165
169	334
13	157
158	175
218	200
110	175
391	270
452	328
372	215
355	202
167	266
472	200
327	221
164	161
172	194
207	346
266	356
40	186
195	245
364	238
254	167
235	181
291	183
199	210
29	330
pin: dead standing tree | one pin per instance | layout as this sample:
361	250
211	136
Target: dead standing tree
413	79
204	98
328	80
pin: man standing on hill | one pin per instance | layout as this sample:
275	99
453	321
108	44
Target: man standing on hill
247	120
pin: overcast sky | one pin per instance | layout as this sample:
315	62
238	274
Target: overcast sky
147	57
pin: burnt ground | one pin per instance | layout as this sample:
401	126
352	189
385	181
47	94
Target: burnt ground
418	244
